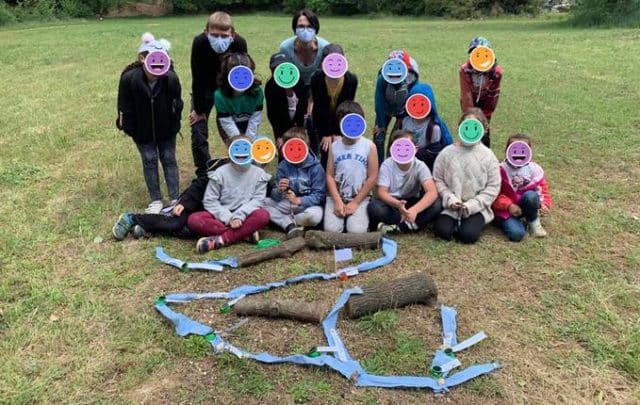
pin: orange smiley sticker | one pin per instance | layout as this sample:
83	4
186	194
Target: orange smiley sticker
482	58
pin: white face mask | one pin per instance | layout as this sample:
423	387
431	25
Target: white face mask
306	34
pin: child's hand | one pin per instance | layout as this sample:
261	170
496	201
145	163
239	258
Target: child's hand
178	209
455	206
235	223
283	184
291	196
326	142
409	215
465	211
279	143
338	209
350	208
515	210
195	117
544	210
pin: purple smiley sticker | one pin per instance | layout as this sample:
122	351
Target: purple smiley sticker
335	65
240	78
519	154
157	63
403	151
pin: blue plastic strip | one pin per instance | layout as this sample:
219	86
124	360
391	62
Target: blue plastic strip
448	316
184	326
477	338
210	265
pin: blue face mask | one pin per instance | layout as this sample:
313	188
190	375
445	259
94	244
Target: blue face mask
306	34
219	44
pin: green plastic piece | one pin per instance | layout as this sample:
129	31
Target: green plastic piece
449	352
266	243
210	337
313	353
436	372
184	268
160	301
225	309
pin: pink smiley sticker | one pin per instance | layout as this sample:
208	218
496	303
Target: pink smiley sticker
157	63
403	151
335	65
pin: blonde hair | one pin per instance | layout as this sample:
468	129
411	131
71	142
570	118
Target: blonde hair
220	21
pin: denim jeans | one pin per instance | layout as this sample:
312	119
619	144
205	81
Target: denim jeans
166	151
514	227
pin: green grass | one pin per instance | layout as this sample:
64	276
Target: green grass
76	316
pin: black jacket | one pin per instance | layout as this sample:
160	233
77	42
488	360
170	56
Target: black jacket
149	115
324	121
205	65
278	107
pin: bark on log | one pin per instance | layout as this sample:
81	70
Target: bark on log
274	308
329	240
285	249
417	288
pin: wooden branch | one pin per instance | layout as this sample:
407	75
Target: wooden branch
285	249
416	288
274	308
329	240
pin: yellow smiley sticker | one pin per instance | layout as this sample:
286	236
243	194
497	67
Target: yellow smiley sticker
482	58
263	150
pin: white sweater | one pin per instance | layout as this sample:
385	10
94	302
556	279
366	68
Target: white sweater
467	174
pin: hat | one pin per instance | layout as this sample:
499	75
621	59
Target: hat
408	60
278	59
150	44
479	41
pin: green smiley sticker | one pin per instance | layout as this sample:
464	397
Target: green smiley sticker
470	131
286	75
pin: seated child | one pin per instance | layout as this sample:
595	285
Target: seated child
468	180
297	200
524	193
352	169
407	199
233	201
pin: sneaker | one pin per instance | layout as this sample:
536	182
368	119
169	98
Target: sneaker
253	238
154	207
209	243
122	226
137	232
536	229
385	229
168	210
294	231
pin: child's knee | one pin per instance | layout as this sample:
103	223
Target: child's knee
516	235
261	216
530	198
467	236
376	210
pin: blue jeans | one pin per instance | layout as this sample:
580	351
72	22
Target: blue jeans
514	227
166	151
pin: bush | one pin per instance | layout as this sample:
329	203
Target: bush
606	13
6	14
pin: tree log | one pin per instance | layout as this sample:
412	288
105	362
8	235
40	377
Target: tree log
285	249
275	308
329	240
416	288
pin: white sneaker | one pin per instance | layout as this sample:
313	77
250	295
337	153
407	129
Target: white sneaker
536	229
154	207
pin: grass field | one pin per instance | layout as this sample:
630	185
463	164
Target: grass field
76	317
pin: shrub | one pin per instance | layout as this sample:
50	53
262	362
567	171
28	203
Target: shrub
606	13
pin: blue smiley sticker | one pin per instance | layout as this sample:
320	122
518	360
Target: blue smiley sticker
240	78
394	71
240	152
353	126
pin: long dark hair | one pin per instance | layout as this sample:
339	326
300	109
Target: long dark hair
230	61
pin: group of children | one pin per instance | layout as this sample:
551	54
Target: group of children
329	174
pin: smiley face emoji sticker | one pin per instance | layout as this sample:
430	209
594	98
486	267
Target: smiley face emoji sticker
519	154
157	63
394	71
470	131
418	106
240	78
353	126
295	151
335	65
286	75
482	58
240	152
403	150
263	150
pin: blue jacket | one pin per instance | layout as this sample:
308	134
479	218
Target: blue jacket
383	113
306	179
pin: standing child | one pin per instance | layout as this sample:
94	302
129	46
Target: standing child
149	109
233	201
524	193
352	169
468	181
407	196
239	98
297	200
427	134
480	80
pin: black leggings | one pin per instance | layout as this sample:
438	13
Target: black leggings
469	230
163	224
